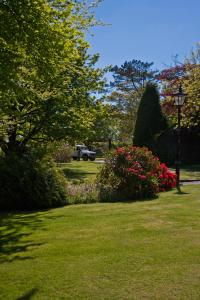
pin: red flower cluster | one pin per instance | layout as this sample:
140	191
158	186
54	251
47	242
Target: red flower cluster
167	179
137	169
120	150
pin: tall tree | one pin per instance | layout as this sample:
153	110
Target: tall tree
150	121
127	88
132	75
46	74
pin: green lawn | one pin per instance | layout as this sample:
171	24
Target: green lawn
87	170
190	172
80	170
141	250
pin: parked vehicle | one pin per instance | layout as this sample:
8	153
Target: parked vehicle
83	152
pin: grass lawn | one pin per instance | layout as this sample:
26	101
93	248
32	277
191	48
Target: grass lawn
141	250
190	172
87	170
80	170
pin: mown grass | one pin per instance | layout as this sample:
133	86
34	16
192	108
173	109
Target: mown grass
77	171
139	250
190	172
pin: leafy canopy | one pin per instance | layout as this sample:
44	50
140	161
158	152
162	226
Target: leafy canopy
47	77
187	73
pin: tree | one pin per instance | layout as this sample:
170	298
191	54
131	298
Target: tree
46	88
187	73
132	75
191	111
150	121
125	107
46	74
127	88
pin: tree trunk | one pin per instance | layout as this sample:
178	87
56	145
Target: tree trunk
109	144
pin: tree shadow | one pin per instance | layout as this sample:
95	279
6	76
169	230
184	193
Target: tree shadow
28	295
15	234
77	174
180	192
119	198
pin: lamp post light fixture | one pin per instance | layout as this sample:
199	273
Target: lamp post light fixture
179	99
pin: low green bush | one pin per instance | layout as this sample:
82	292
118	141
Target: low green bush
133	173
28	182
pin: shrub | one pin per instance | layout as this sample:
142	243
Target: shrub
30	183
63	154
133	173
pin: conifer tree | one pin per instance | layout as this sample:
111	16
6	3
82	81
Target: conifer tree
150	121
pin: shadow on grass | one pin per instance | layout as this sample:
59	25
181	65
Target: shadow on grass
133	200
179	192
76	174
28	295
16	230
117	198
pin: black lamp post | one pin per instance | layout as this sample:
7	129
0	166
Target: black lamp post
179	99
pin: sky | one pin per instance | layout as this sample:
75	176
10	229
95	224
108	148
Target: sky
147	30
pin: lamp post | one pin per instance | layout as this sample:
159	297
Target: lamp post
179	99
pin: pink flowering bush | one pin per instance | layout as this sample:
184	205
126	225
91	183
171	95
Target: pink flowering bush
134	172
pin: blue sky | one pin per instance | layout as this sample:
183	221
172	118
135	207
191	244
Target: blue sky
149	30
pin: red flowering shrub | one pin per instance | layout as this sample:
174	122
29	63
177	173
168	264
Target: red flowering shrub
167	179
134	172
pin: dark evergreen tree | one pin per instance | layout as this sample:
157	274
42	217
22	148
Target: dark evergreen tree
150	121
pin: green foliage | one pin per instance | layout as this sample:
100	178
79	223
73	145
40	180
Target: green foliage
102	127
125	106
191	109
150	121
47	81
46	74
132	75
30	183
188	74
